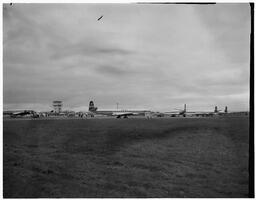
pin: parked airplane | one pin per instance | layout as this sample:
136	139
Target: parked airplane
185	113
25	113
215	112
177	113
117	113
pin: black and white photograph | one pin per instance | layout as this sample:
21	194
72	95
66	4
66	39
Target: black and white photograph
128	100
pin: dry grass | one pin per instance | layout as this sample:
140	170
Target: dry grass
174	157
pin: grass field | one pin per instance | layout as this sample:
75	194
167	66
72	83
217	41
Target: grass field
165	157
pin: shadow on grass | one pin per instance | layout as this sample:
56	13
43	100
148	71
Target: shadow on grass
110	141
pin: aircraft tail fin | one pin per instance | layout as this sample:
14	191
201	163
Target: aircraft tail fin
92	108
226	109
216	109
185	107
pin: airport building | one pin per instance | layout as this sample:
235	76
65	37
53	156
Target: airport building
57	106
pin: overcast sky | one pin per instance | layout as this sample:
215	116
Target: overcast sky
139	55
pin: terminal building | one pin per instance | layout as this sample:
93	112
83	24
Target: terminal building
57	106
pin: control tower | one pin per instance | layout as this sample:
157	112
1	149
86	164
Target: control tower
57	106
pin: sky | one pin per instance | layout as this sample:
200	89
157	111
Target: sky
141	56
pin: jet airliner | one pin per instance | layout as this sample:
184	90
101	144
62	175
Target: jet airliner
117	113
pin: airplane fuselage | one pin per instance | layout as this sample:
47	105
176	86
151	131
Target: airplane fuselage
119	112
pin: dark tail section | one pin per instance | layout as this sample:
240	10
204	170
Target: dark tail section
216	109
226	109
91	107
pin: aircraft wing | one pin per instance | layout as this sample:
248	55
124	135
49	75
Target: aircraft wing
171	113
21	113
200	113
17	113
123	113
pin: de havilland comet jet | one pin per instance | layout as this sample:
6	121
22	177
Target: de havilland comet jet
117	113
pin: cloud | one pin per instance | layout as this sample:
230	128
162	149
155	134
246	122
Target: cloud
229	24
112	70
87	49
150	56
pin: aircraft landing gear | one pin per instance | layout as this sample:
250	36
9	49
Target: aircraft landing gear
119	116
